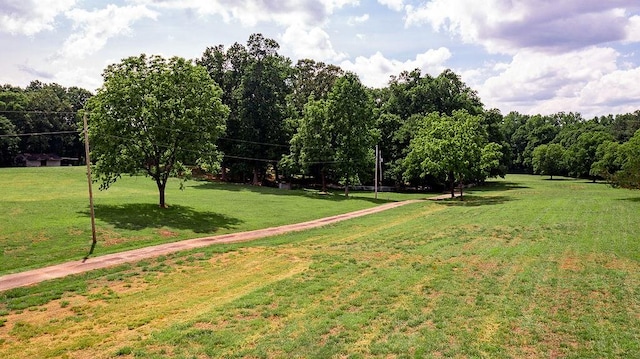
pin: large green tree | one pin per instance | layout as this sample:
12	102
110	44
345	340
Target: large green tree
607	160
350	114
548	159
537	130
453	149
629	159
256	80
262	104
154	115
581	155
313	144
408	98
338	134
8	142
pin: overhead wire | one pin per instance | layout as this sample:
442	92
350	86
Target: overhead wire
51	133
40	133
40	112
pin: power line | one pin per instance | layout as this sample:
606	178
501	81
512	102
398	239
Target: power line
168	147
152	127
254	142
40	112
202	152
224	154
249	158
78	131
40	133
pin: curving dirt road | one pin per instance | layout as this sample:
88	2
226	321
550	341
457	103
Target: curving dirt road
34	276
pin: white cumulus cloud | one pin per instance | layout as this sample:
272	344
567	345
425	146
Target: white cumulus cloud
29	17
311	43
252	12
396	5
507	26
588	81
633	29
375	71
98	26
358	19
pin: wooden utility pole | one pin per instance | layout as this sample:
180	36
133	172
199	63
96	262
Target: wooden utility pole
88	160
375	184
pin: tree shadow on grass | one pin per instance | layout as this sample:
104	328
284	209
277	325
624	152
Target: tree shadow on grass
333	195
497	186
137	216
474	201
631	199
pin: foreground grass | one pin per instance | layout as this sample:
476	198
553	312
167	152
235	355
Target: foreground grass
523	268
45	216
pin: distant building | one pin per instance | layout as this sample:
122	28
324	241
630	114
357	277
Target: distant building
38	160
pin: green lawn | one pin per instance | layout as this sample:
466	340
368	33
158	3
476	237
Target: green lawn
45	213
524	267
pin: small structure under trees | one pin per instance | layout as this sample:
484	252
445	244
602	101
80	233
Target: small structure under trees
38	160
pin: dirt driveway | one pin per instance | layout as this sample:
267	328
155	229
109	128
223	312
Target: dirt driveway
34	276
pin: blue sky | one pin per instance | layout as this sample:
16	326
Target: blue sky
531	56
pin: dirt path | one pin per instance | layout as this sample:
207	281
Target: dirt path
34	276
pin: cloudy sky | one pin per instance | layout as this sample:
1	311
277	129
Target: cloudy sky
531	56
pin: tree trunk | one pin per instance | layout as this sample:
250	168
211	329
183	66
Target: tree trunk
453	185
223	170
461	189
255	175
324	180
346	189
161	186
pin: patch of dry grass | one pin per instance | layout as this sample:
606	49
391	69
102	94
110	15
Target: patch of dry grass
528	276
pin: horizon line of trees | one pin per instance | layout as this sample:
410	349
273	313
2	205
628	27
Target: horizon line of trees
312	122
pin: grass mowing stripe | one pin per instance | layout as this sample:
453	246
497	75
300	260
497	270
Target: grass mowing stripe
486	277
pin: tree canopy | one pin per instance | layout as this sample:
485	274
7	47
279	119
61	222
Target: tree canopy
350	114
548	159
337	134
452	149
8	143
49	111
620	163
280	114
256	83
154	115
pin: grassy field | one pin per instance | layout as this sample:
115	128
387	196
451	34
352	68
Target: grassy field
525	268
44	213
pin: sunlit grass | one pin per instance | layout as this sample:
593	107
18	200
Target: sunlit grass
44	213
523	268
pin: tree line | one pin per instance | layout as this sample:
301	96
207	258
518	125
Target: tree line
40	108
250	114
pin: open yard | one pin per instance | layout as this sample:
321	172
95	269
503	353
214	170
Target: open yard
524	267
44	213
